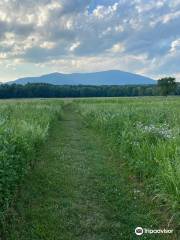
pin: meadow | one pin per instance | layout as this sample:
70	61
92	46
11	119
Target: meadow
145	134
79	168
24	125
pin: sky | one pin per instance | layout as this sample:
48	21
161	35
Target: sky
43	36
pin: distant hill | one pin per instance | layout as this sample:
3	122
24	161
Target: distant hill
112	77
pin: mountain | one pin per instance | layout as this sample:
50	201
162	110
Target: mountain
112	77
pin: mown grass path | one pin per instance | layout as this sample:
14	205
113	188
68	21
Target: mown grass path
78	191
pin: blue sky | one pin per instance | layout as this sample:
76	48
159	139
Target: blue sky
43	36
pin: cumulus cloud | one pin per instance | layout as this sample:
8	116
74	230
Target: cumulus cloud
137	36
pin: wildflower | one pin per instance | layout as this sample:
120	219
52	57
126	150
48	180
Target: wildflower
162	131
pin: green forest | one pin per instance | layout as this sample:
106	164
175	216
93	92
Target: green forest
43	90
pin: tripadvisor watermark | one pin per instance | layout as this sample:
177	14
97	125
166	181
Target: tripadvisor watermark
140	231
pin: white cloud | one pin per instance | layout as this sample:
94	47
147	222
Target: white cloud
48	45
3	56
119	28
117	48
103	11
138	35
169	17
175	45
74	46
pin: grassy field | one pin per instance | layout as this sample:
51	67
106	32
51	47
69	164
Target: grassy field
24	125
145	133
89	169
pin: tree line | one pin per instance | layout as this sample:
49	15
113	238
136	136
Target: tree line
43	90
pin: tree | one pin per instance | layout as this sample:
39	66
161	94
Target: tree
166	85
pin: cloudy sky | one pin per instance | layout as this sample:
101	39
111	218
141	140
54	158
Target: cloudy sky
43	36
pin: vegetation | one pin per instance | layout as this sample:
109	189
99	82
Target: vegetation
145	134
167	85
42	90
103	168
23	126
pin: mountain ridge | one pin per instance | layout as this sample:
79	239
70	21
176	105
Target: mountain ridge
110	77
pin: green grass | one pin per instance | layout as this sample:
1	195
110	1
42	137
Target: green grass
145	133
88	182
24	126
79	190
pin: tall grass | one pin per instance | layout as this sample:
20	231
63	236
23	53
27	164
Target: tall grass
23	126
145	132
